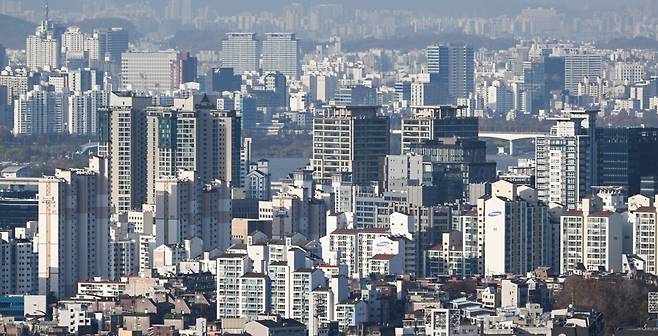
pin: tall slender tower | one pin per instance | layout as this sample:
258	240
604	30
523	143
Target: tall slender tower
43	48
122	139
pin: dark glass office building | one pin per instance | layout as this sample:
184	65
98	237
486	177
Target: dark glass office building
626	156
18	208
224	79
456	164
554	73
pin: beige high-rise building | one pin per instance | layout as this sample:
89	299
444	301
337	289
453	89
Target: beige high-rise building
186	208
122	139
591	238
73	240
643	217
175	210
193	135
43	48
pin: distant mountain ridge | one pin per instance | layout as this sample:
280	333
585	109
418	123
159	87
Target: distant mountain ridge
14	31
88	25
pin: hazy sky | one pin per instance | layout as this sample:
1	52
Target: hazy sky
449	7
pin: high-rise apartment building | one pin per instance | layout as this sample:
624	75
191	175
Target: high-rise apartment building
17	83
254	295
302	282
631	72
146	144
240	51
86	79
41	111
643	216
83	111
566	159
187	208
350	139
18	264
193	135
454	67
122	139
230	269
515	225
44	47
175	208
591	238
73	41
281	53
74	212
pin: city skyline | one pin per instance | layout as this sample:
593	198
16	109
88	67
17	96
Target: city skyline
336	169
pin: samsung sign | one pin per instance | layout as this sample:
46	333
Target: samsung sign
494	214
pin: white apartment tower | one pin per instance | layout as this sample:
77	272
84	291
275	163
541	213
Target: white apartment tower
591	237
644	219
515	227
83	108
254	295
43	48
230	268
566	159
73	229
303	282
41	111
73	41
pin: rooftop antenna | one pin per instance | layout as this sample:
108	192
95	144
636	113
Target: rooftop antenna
47	14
